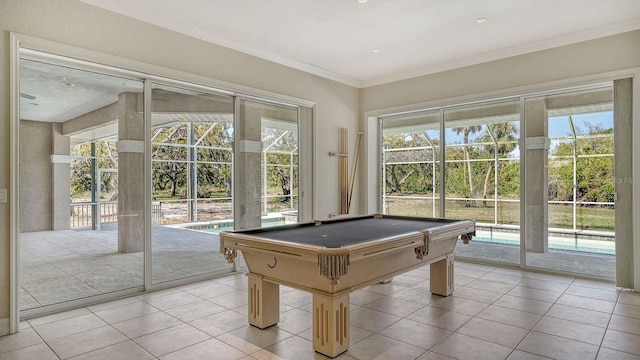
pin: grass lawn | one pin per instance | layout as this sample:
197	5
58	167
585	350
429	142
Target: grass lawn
560	216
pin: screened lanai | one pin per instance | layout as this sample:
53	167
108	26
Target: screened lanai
466	162
90	163
192	173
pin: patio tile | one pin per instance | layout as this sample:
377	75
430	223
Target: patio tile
557	348
39	351
171	339
220	323
22	339
571	330
464	347
522	319
382	347
127	350
494	332
86	341
591	317
146	324
208	349
126	311
415	333
441	318
74	325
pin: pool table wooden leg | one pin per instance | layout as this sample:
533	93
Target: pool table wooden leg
264	302
442	276
331	324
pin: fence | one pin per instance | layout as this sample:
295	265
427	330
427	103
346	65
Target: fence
83	214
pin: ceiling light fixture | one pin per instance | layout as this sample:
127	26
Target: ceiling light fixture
362	1
375	50
481	20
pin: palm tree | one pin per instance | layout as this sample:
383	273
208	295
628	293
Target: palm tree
466	131
503	134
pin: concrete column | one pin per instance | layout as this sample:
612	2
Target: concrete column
130	175
624	181
247	158
536	191
60	178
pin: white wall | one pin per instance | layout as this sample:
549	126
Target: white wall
80	25
572	61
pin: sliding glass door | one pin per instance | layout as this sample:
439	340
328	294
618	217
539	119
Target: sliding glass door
571	184
482	177
125	182
537	173
192	161
81	185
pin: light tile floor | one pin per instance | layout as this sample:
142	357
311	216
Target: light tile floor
495	313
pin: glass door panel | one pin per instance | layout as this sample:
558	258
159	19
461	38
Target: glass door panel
81	188
571	189
267	164
482	177
192	137
411	164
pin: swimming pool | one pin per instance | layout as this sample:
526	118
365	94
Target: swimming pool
556	242
227	225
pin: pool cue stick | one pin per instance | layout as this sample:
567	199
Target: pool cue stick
344	172
355	167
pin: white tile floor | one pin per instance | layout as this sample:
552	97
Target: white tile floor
495	313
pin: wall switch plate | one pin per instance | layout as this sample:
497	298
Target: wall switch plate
3	196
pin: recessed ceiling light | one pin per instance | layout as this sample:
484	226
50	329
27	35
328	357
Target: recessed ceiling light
375	50
481	20
362	1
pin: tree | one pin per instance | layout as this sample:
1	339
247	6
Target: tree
594	171
281	148
466	131
503	136
214	157
405	170
170	161
106	158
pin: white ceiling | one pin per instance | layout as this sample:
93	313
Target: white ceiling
335	38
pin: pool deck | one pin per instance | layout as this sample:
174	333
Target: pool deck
58	266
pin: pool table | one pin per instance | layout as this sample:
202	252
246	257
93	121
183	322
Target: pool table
333	258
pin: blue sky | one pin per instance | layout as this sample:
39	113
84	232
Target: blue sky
559	125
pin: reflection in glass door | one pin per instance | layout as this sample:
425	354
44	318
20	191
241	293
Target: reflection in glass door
82	231
482	177
571	183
